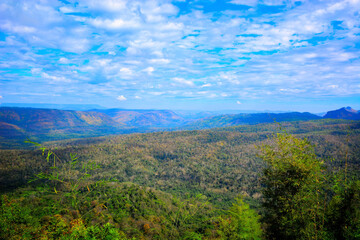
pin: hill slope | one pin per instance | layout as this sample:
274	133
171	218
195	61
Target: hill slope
143	118
41	124
219	163
37	119
344	113
19	123
245	119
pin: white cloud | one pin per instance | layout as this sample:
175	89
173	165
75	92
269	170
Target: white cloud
145	46
138	97
231	77
126	70
304	58
336	7
114	24
238	102
183	81
245	2
66	9
105	5
159	61
56	79
36	70
149	70
132	62
171	27
115	44
344	56
64	60
156	93
154	8
121	98
17	28
206	85
75	45
103	62
1	97
291	91
145	43
274	2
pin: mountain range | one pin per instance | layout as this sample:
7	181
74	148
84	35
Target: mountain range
42	124
246	119
143	118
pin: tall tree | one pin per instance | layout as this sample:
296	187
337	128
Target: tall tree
292	179
241	223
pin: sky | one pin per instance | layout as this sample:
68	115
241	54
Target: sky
295	55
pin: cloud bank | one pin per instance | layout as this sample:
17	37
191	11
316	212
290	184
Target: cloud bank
175	54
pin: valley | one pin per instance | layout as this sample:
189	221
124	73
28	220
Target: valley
168	183
207	169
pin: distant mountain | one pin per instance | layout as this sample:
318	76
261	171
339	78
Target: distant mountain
41	120
143	118
190	115
254	118
17	124
195	115
11	131
41	124
344	113
51	124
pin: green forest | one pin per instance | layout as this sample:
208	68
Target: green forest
294	180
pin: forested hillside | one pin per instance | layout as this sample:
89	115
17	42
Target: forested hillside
219	162
249	118
169	185
18	124
143	118
41	125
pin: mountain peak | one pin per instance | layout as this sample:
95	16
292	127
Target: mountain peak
349	109
344	113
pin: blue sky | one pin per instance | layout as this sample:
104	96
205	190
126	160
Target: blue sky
203	55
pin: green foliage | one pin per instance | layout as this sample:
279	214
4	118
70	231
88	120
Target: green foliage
69	177
106	232
191	214
293	203
177	185
122	211
73	207
301	199
219	163
192	236
23	218
241	223
343	212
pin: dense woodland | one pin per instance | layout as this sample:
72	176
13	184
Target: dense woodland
297	180
42	125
